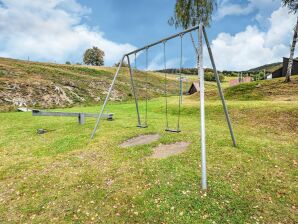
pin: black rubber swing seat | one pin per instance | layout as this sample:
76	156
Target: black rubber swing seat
172	130
142	126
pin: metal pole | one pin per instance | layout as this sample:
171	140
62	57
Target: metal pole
220	89
181	55
133	90
202	108
181	87
163	40
107	98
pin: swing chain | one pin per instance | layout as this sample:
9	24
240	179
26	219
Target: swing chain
146	87
165	80
180	81
180	85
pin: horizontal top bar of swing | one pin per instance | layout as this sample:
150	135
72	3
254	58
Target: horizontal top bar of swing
163	40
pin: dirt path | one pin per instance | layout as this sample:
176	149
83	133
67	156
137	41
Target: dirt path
140	140
164	151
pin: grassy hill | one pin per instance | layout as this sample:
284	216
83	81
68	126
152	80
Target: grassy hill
274	89
49	85
268	67
46	85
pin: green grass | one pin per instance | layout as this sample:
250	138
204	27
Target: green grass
61	177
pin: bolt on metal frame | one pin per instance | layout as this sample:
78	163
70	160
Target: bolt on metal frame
201	34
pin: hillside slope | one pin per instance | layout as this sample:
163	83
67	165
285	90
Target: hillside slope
275	89
268	67
45	85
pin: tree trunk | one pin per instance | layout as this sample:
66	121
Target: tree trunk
290	64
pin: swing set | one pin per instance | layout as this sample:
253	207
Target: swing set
145	124
199	53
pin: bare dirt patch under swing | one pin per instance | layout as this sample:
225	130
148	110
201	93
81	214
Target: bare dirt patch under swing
140	140
164	151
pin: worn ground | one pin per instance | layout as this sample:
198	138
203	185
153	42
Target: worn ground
61	177
163	151
140	140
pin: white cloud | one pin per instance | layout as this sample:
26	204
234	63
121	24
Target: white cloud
51	31
157	63
228	9
260	7
254	47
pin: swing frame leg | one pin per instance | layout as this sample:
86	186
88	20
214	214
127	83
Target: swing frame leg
202	108
220	91
107	98
134	92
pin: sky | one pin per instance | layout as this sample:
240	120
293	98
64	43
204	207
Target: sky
243	33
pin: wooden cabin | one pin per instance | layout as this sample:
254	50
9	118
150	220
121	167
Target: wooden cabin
281	72
195	87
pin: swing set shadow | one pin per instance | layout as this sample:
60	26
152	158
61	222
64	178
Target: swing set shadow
199	53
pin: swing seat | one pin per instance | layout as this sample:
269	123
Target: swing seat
142	126
172	130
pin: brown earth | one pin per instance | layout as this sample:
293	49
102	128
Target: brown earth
164	151
140	140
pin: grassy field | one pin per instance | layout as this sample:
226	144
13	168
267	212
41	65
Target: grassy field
61	177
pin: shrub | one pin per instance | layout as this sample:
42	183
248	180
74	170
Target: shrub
124	64
211	77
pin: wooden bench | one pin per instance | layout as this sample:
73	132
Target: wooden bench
81	116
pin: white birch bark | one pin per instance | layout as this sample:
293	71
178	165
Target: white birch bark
290	64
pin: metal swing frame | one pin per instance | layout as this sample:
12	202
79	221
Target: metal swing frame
201	34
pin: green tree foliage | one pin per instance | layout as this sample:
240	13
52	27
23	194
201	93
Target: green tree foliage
124	64
94	56
291	4
209	76
67	63
189	13
185	71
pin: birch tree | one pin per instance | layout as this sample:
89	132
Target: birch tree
293	7
189	13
